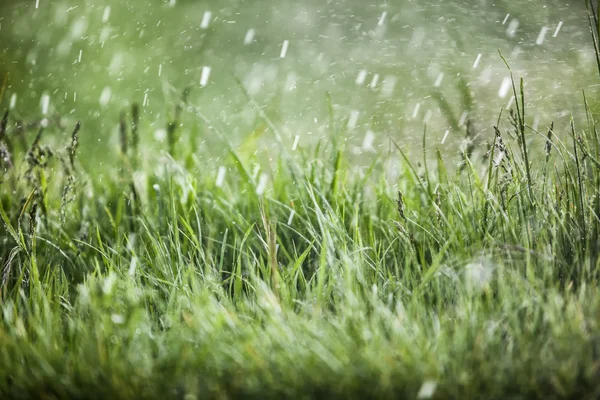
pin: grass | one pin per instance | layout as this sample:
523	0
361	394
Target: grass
148	278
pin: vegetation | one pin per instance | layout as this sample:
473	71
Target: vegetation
306	278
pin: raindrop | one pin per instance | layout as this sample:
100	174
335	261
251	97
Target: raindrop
45	103
560	24
220	177
427	390
362	76
284	48
353	119
13	101
367	144
382	18
476	63
205	20
205	74
374	81
416	110
105	96
249	36
295	145
438	80
262	184
540	39
445	136
511	31
106	14
504	87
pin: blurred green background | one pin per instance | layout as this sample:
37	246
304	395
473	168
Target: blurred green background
381	61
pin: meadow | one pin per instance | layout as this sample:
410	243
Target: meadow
195	266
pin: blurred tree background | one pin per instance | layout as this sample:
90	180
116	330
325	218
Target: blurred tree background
379	60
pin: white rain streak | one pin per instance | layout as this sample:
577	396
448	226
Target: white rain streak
536	122
477	60
37	4
160	135
205	20
353	119
172	3
388	85
45	103
374	81
438	80
296	141
80	55
427	117
204	75
159	69
445	136
13	101
284	48
105	96
510	103
463	118
75	97
291	218
542	36
427	390
362	76
145	102
505	19
511	31
382	19
106	14
249	36
368	141
555	34
220	177
262	184
416	110
504	88
132	266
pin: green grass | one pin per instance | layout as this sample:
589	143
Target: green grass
144	279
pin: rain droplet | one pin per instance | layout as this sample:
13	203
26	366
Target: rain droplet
205	74
262	184
504	87
476	63
540	39
439	79
220	177
249	36
560	24
382	18
284	48
105	96
353	119
362	76
106	14
205	20
45	103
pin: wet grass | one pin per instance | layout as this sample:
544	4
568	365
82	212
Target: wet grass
151	278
